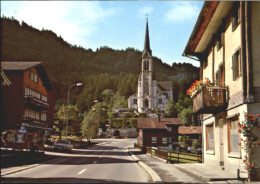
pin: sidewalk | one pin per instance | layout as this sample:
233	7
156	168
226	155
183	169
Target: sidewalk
167	172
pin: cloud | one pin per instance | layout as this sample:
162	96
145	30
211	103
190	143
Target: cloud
72	20
181	11
146	10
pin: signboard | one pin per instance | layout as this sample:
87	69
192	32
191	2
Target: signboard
22	130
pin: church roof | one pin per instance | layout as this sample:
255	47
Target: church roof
152	123
165	86
147	49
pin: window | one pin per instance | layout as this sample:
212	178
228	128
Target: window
210	137
169	129
205	63
146	65
165	140
235	16
160	101
236	64
43	116
135	101
33	76
154	139
233	135
220	40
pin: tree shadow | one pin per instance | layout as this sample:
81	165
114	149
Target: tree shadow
59	180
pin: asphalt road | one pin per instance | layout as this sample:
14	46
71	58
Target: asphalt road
107	162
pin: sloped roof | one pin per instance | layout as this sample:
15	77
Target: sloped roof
166	86
152	123
19	65
190	130
24	65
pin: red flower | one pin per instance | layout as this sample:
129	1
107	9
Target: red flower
243	126
258	143
241	139
244	160
249	165
239	143
249	142
239	130
251	152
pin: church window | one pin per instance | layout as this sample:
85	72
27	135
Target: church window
146	65
146	103
135	101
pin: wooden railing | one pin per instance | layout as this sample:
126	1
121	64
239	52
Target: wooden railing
210	99
172	157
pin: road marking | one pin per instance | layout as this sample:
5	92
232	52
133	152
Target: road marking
94	162
82	171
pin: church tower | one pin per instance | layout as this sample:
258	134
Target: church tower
145	94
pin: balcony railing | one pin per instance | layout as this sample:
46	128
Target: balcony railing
32	101
35	122
210	99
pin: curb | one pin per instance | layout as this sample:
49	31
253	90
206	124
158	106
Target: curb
193	174
155	177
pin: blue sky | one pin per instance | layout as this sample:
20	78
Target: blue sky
116	24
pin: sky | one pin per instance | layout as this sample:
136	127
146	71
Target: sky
116	24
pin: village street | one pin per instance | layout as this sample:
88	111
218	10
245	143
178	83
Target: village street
106	162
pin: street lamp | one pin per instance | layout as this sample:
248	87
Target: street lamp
68	98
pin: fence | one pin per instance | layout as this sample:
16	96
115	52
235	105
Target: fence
172	157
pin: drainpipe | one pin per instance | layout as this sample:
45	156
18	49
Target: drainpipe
243	49
249	97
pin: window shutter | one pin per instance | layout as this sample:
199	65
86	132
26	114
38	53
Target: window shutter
234	66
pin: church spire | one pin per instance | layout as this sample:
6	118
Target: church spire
147	40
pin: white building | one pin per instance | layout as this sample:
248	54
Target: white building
150	93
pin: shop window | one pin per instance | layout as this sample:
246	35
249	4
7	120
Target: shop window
154	140
236	64
233	135
210	137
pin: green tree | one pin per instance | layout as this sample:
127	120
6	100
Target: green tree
171	110
74	117
186	116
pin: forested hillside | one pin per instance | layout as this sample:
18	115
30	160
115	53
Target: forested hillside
98	70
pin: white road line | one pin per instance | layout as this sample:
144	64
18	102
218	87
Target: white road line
82	171
94	162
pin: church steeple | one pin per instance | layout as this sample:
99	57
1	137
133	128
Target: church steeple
147	41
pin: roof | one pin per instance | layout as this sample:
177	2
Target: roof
189	130
166	86
19	65
152	123
147	41
25	65
209	20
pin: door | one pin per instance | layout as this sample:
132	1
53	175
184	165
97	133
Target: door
221	142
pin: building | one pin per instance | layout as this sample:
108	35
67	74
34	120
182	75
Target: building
158	132
226	41
150	93
28	102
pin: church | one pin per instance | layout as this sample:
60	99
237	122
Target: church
150	93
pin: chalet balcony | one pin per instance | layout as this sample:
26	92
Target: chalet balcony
35	122
210	99
35	102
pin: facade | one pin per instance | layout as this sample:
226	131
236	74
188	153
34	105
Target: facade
162	132
150	93
28	102
226	41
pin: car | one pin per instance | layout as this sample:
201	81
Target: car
63	145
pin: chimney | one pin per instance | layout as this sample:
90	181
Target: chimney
159	117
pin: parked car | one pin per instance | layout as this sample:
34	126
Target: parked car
63	145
